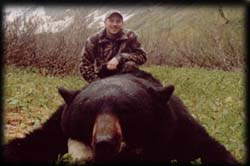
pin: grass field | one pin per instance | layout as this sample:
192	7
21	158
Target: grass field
215	98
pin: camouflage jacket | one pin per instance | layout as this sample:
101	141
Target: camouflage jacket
99	49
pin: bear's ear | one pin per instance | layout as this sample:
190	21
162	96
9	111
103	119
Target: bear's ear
68	95
163	93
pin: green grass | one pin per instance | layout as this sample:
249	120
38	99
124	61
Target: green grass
27	88
215	98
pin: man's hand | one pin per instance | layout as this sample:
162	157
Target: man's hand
112	64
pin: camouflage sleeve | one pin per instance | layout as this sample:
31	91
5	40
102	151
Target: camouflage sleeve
87	62
137	54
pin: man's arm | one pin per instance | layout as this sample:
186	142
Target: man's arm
136	53
87	62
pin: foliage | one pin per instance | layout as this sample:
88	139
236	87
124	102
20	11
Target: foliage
215	98
51	53
193	36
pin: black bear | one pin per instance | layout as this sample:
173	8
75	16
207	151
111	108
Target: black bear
122	118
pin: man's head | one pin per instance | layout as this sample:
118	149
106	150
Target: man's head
113	22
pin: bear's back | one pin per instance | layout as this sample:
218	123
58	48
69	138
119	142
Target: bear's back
131	84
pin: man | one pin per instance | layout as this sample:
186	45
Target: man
113	50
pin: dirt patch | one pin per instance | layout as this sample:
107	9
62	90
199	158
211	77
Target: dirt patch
19	123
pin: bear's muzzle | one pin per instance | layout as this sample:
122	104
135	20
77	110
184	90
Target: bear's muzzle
107	139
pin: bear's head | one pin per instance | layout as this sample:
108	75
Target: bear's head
114	115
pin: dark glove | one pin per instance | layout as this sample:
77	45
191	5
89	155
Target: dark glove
129	66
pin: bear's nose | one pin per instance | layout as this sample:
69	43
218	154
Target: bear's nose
105	150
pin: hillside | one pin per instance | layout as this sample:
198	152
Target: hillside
210	37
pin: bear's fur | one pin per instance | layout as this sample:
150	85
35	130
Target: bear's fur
122	118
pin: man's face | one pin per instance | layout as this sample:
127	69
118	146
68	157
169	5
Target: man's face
114	24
